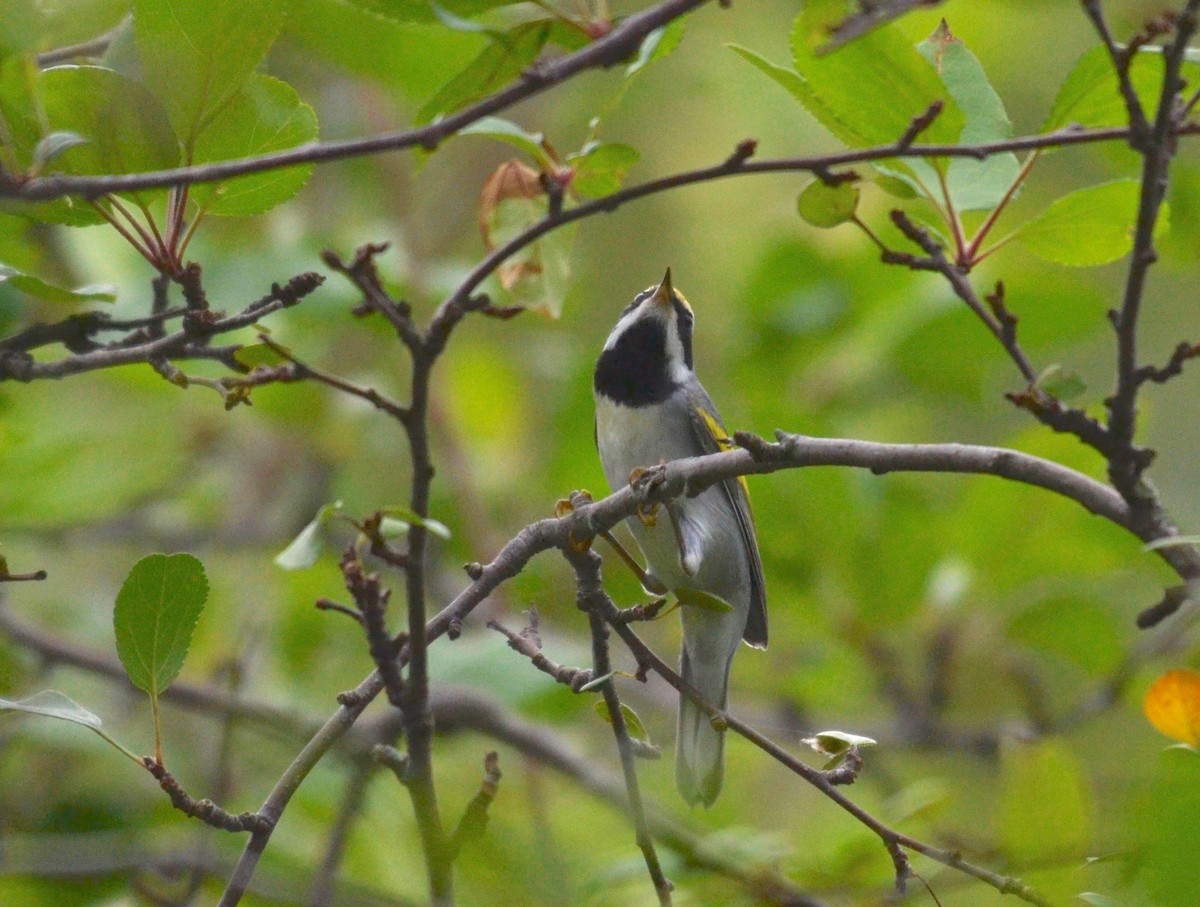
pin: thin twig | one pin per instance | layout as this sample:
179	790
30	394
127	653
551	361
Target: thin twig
603	668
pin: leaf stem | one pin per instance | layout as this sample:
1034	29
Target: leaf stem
972	256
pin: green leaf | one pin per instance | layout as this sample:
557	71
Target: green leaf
155	614
413	55
826	206
1090	95
656	45
198	55
259	354
835	743
497	65
1091	226
974	185
53	704
265	115
869	91
124	127
412	518
1061	382
705	601
501	130
601	168
633	723
1046	808
306	547
36	287
52	145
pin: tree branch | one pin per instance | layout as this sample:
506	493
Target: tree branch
1157	147
622	41
601	667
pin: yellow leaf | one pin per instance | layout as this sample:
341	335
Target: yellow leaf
1172	705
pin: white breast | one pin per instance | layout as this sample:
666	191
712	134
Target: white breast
649	436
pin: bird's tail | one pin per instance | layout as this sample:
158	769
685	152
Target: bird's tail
699	747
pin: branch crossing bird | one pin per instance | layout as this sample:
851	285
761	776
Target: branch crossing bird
651	408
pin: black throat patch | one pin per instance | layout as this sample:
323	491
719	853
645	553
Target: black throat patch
634	372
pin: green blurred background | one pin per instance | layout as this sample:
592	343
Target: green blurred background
1010	607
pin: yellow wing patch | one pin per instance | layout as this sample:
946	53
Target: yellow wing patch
721	437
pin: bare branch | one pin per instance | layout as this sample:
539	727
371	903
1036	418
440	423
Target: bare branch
1157	146
601	667
529	643
205	810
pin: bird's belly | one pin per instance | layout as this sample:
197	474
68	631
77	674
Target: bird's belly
649	438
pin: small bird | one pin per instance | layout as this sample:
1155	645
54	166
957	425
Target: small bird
651	408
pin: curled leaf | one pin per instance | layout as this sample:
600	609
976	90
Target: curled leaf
633	723
835	743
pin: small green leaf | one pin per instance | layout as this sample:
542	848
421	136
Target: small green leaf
705	601
497	65
197	56
259	354
410	516
828	206
836	743
53	704
265	115
392	528
1091	226
40	289
633	723
656	45
1061	382
532	143
52	145
306	547
155	614
601	168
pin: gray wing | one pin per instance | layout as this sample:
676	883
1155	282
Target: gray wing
735	492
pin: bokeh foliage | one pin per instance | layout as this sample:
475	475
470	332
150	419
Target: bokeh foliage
1018	607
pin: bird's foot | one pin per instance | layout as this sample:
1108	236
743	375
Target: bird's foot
566	506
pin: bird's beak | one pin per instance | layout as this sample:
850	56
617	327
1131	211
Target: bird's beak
665	294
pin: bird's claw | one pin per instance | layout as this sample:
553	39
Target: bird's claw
566	506
644	480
